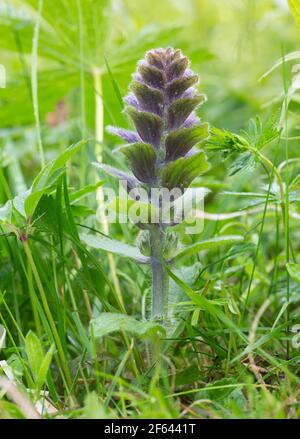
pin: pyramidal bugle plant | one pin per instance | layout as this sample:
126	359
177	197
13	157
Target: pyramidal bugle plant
162	150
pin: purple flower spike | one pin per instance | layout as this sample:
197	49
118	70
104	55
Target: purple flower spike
161	104
162	152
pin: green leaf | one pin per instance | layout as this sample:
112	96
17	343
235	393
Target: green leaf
39	363
57	164
44	367
34	352
48	176
179	111
226	141
182	172
113	246
294	271
260	134
244	162
151	75
142	158
178	86
207	245
148	125
179	142
86	190
150	99
45	215
107	323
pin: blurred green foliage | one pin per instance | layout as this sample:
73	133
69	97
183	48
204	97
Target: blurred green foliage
217	294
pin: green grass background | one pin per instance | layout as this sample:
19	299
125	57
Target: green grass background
228	351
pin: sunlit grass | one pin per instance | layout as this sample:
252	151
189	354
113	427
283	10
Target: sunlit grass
229	350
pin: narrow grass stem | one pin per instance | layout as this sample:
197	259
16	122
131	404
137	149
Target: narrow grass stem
33	301
99	123
82	88
48	312
271	165
4	185
257	248
283	197
34	82
287	219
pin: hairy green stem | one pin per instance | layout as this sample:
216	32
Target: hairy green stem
160	279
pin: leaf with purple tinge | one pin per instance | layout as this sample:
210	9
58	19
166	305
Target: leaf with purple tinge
148	98
181	173
151	75
180	110
176	88
148	125
179	142
142	158
177	68
154	59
